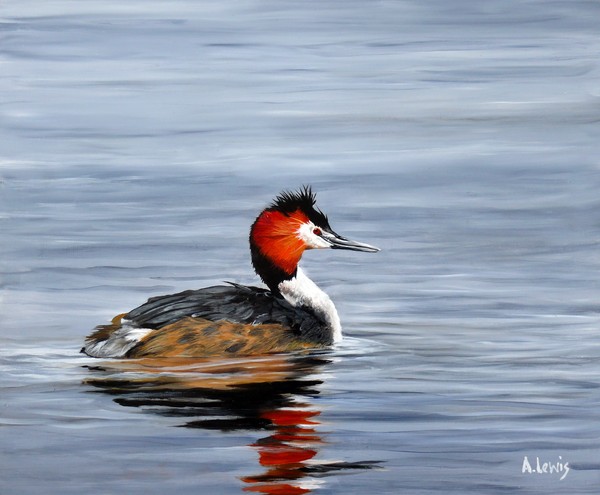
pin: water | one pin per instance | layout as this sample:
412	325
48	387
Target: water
139	142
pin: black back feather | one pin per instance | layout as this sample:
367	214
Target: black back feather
235	303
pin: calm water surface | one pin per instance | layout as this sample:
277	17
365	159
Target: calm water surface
140	140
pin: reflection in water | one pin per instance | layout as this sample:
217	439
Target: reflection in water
271	393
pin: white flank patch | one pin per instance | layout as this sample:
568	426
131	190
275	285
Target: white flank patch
118	344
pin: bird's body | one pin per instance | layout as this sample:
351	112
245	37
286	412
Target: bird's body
235	319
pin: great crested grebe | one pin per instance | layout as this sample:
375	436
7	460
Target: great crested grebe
237	319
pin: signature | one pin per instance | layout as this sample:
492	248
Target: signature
559	467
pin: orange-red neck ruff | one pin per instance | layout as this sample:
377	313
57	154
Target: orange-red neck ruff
276	235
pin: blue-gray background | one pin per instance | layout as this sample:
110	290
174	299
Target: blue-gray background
140	139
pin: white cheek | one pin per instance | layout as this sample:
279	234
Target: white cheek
312	241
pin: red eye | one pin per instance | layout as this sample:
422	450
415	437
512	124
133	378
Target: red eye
317	231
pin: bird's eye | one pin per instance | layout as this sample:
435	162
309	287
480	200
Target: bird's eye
317	231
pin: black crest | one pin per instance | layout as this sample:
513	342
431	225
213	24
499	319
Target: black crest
304	200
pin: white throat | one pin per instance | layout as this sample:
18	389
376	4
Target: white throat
302	291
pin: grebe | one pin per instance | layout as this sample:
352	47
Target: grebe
235	319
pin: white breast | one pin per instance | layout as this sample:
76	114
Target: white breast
302	291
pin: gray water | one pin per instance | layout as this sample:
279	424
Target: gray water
140	140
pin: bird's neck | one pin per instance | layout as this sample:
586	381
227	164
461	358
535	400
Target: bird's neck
301	291
275	256
270	272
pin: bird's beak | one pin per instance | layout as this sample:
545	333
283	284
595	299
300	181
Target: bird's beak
339	242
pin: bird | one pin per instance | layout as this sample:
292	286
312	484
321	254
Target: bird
291	314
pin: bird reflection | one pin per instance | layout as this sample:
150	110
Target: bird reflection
270	393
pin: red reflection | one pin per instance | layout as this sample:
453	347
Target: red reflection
285	452
278	489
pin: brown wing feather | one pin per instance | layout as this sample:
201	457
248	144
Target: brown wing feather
198	337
